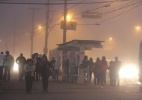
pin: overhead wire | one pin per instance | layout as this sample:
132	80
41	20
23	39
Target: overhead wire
103	6
76	5
44	3
99	7
122	7
125	6
105	19
131	1
119	14
63	12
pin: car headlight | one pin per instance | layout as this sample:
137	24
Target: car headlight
128	71
15	67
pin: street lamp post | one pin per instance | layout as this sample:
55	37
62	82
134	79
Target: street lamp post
33	14
64	53
46	34
65	17
32	34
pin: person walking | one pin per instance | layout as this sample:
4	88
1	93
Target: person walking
21	60
8	64
1	65
45	72
29	68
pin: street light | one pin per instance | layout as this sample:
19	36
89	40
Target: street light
40	27
138	28
68	18
110	38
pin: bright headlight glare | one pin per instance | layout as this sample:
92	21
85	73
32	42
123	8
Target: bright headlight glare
128	71
15	67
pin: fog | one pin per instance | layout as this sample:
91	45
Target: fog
118	21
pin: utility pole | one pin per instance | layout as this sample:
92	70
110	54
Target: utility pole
65	22
32	34
64	53
33	22
14	37
46	32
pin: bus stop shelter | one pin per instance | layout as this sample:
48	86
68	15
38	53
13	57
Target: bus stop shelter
75	51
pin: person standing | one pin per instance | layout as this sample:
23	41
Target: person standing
38	68
97	71
45	72
29	74
111	72
103	71
77	61
21	60
52	63
85	64
117	65
57	68
1	65
91	68
8	64
67	69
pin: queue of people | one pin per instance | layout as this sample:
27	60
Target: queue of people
99	68
38	67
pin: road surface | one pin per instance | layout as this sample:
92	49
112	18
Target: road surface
15	90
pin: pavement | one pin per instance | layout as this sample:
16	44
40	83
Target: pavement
15	90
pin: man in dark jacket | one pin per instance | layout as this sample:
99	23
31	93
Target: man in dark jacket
45	73
8	64
21	60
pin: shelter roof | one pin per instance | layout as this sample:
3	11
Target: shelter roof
77	44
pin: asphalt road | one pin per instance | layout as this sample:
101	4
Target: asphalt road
15	90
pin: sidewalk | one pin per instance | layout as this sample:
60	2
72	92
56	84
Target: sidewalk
16	86
2	86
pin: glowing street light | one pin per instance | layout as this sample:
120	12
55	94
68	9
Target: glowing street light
68	18
110	38
138	28
70	25
40	27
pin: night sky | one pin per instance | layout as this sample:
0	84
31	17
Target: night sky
118	21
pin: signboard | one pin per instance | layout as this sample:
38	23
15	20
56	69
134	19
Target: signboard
91	15
69	25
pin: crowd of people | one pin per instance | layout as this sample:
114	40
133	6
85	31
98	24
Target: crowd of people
99	68
6	63
32	68
39	66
